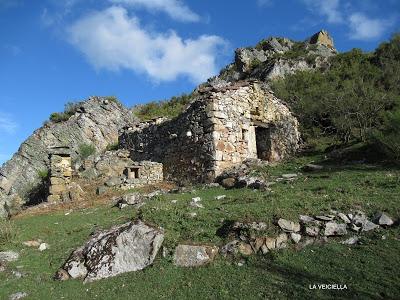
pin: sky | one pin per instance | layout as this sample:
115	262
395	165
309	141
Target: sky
55	51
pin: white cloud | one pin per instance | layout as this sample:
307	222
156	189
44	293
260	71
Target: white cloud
112	40
7	124
364	28
326	8
176	9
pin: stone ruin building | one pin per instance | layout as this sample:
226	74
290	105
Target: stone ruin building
60	173
221	128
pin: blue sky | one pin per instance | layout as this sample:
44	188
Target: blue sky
54	51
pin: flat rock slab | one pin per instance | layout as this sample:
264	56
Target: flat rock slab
288	226
124	248
8	256
194	255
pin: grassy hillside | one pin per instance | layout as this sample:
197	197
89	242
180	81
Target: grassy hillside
370	270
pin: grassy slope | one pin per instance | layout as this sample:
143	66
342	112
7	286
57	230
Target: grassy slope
370	270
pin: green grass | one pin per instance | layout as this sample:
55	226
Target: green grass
370	270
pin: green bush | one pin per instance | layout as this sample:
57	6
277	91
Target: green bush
112	147
69	110
388	137
166	108
113	99
85	150
43	174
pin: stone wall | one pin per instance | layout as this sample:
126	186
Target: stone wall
183	145
60	174
224	126
142	173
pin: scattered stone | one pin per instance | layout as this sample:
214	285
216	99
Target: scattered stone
230	248
368	226
8	256
43	246
325	218
257	226
281	241
270	243
333	229
174	201
258	243
194	256
288	226
228	183
306	219
312	168
18	295
241	263
192	214
133	199
264	249
113	181
196	203
220	197
351	241
2	267
381	218
101	190
344	218
17	274
245	249
355	228
128	247
296	237
312	231
32	243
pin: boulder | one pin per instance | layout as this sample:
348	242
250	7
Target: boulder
381	218
245	249
344	218
304	219
281	241
351	241
124	248
101	190
288	226
194	255
312	231
133	199
333	229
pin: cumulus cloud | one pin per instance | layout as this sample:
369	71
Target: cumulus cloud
364	28
176	9
112	40
326	8
7	124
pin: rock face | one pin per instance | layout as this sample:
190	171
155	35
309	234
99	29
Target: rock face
194	255
96	121
276	57
124	248
223	127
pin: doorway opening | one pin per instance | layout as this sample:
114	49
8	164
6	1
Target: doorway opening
263	144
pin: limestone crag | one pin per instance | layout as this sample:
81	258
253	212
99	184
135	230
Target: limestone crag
97	121
276	57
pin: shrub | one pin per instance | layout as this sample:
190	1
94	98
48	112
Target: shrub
112	147
113	99
388	137
85	150
43	174
69	110
8	232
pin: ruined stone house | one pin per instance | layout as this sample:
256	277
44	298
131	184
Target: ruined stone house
221	128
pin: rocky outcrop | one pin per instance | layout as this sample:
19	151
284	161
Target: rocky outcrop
96	121
276	57
124	248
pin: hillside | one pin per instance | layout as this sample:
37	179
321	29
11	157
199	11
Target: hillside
279	178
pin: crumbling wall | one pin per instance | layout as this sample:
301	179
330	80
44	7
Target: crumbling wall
142	173
183	145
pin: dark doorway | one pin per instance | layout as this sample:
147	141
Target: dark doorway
263	143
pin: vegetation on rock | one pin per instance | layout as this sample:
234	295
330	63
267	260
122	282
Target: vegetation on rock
85	150
164	108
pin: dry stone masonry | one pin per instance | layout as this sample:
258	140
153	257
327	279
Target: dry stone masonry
223	127
60	173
